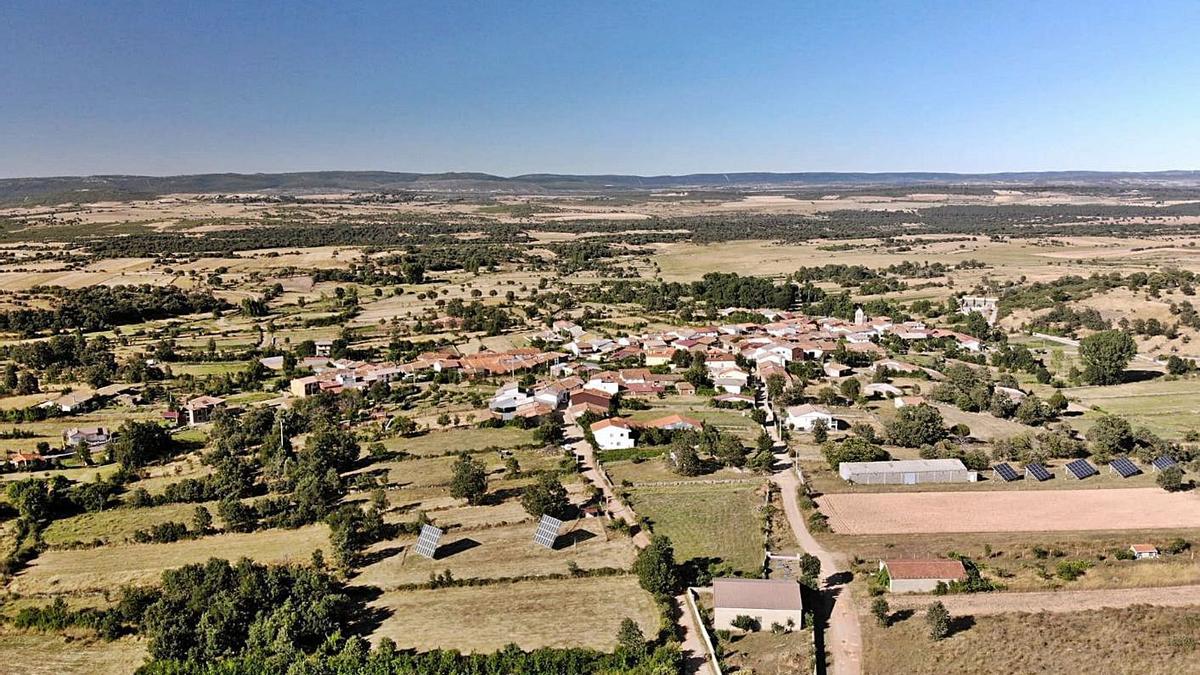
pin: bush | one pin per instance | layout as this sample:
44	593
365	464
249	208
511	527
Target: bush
746	623
1070	570
938	620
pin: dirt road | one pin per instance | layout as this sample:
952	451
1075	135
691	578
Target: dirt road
1053	601
843	639
694	653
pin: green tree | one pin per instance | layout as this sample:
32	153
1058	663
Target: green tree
810	570
139	443
917	425
881	611
1170	479
1105	355
470	480
549	432
631	639
655	567
1110	435
238	517
546	496
938	620
202	520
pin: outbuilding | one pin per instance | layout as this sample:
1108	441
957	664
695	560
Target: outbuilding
921	576
907	472
1144	551
768	601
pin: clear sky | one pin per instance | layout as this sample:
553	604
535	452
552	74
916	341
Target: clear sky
648	87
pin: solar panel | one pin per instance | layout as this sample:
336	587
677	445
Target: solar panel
1080	468
1006	472
427	542
547	531
1164	462
1038	472
1123	466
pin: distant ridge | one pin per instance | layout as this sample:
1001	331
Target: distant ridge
91	188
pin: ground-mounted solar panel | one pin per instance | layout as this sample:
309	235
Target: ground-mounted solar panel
1081	468
547	531
1037	472
1124	467
1164	462
427	542
1006	472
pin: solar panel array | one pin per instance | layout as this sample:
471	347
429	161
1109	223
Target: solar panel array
1006	472
427	542
1080	468
1038	471
547	531
1123	466
1164	462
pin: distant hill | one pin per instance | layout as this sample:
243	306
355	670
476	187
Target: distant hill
95	188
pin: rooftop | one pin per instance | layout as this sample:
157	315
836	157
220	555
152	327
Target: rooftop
757	594
925	569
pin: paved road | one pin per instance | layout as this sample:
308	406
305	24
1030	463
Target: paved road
694	653
1054	601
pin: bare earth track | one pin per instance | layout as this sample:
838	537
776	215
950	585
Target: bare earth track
1056	601
1024	511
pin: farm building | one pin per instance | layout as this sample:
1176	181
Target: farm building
921	576
907	472
1144	551
767	600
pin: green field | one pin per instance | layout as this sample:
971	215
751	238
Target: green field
718	521
1169	408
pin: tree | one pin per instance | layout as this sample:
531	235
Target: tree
655	567
810	570
139	443
1110	435
687	459
820	432
1170	479
469	481
852	449
851	389
546	497
512	467
631	639
238	517
938	620
1177	366
882	611
549	432
201	520
1105	355
917	425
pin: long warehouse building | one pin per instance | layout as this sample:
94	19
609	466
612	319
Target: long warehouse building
907	472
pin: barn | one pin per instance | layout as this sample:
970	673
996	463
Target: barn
921	576
767	600
907	472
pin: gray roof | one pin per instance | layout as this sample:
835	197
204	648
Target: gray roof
902	465
735	593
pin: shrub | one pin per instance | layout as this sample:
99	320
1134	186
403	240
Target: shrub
746	623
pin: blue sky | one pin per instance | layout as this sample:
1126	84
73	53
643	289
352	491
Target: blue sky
160	87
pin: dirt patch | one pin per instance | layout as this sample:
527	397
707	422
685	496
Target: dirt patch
1024	511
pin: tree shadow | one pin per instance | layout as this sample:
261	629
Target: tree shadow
1140	375
839	578
365	620
901	615
959	624
455	547
368	559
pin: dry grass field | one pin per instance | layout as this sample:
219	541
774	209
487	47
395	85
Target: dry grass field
538	613
34	653
498	552
1144	640
108	567
118	525
1005	511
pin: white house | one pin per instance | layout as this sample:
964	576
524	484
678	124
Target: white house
805	417
921	576
768	601
1144	551
508	398
612	434
882	389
